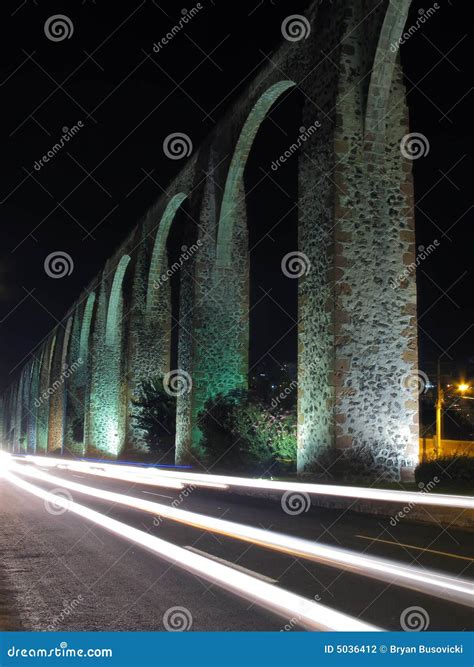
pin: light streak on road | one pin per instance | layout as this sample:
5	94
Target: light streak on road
291	607
101	470
125	473
226	481
418	579
355	492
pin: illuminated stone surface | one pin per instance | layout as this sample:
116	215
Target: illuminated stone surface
357	336
108	395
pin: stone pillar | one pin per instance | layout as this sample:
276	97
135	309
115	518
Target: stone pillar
315	301
43	399
33	405
18	448
108	394
76	366
25	407
376	349
216	354
12	416
57	400
3	421
317	321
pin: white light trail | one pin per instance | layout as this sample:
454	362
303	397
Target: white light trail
229	482
306	613
419	579
357	492
117	471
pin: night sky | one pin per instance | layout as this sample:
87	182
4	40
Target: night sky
90	195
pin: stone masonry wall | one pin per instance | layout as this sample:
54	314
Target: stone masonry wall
357	347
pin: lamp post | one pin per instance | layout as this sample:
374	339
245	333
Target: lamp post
439	408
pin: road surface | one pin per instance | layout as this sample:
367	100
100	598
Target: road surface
60	571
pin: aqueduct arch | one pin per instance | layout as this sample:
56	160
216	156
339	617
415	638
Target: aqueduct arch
375	421
355	228
58	387
234	187
32	407
386	62
86	327
107	419
115	307
158	259
151	317
221	327
44	386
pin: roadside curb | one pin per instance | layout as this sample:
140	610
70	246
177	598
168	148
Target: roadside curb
436	516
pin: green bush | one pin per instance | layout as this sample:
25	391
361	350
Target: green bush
240	430
448	469
154	413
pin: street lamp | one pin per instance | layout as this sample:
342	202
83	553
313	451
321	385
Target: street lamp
462	388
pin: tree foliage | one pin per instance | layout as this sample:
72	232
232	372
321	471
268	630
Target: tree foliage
241	430
154	413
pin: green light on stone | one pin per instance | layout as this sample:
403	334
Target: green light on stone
236	170
112	326
157	264
108	407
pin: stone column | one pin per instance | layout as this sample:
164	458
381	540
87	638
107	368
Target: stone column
108	393
376	348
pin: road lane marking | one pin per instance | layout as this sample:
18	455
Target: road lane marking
150	493
412	546
234	566
419	579
308	613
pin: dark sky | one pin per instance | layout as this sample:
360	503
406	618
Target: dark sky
91	194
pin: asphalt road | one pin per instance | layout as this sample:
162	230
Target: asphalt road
63	572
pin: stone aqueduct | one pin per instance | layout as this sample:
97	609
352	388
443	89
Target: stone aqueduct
357	337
